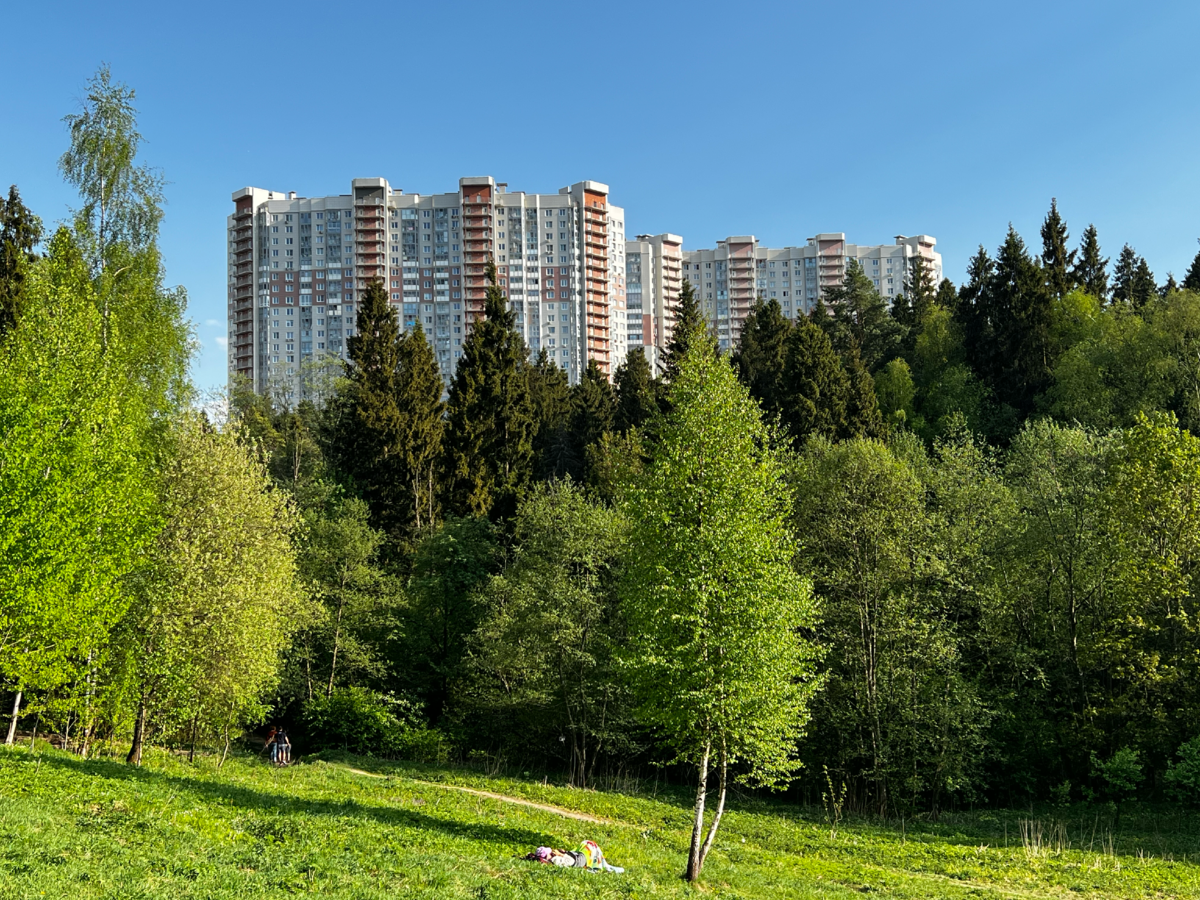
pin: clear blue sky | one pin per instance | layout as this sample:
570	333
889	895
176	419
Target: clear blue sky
775	119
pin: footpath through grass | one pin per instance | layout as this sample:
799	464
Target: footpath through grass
100	829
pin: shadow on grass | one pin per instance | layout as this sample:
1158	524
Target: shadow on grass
284	804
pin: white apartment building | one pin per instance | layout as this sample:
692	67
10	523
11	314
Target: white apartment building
653	279
299	266
731	277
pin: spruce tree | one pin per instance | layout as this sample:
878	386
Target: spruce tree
419	400
593	406
1170	286
1191	280
919	290
690	330
1143	288
1022	305
1123	275
550	400
1091	272
947	296
490	425
815	387
1057	262
637	394
863	418
369	442
20	232
761	353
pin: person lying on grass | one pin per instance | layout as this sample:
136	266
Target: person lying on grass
589	856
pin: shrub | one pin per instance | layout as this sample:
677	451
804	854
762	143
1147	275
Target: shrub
1183	777
370	724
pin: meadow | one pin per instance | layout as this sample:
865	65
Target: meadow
348	827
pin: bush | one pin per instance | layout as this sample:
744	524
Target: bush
1183	777
370	724
1121	773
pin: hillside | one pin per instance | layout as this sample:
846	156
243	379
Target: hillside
357	829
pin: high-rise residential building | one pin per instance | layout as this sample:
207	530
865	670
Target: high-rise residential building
731	277
653	279
298	266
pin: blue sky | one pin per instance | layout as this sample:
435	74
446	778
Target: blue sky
775	119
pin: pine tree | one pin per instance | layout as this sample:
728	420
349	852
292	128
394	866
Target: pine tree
419	401
761	353
550	399
815	387
20	232
1091	272
637	395
690	330
860	319
1123	275
490	425
371	426
1191	281
1057	262
862	408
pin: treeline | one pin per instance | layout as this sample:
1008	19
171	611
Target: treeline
940	551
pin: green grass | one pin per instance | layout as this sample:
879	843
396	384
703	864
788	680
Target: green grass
99	829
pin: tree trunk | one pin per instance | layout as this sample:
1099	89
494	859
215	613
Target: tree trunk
192	749
139	735
224	752
694	861
16	717
337	636
712	832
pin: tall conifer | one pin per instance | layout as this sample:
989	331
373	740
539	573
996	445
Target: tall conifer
1191	280
690	330
1021	302
369	442
1143	289
863	418
20	232
1057	262
593	406
637	394
490	425
550	400
1123	275
419	400
815	387
761	353
1091	272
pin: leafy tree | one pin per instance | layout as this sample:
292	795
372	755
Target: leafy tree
490	425
420	408
76	496
860	318
637	394
895	392
449	569
715	654
20	233
122	202
815	389
543	655
1191	280
220	598
372	424
761	353
1091	271
1057	262
690	330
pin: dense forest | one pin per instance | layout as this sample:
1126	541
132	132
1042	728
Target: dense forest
946	555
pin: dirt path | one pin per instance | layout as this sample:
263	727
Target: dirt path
557	810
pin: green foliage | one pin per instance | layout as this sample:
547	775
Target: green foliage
1057	262
688	332
1183	776
543	653
637	393
895	392
1191	280
1091	271
360	721
814	387
420	408
860	319
1133	282
1121	773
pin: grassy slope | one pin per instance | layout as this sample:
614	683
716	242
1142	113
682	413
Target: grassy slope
99	829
